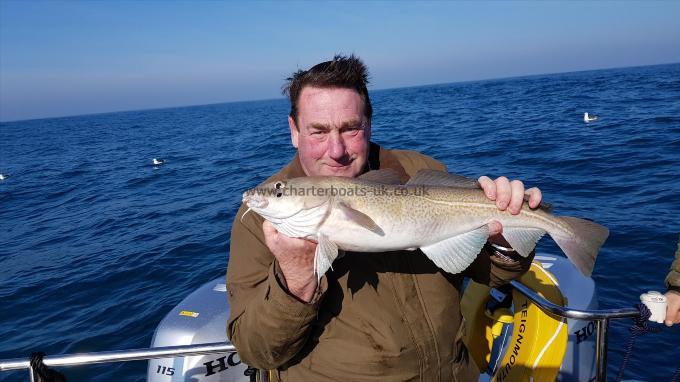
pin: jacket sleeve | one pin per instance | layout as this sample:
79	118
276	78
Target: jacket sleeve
673	278
267	325
494	269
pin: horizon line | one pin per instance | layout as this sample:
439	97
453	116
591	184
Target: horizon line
374	90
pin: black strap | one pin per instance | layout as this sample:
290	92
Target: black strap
42	372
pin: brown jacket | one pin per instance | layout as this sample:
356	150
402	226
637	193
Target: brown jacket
673	278
380	316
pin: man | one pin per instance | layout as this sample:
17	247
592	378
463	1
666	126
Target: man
374	316
673	294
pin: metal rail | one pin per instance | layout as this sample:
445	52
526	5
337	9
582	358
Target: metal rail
601	317
566	312
119	356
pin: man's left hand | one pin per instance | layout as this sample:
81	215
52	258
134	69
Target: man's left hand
672	308
508	195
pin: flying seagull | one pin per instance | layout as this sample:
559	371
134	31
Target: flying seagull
157	162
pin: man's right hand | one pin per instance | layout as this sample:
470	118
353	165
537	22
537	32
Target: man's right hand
673	308
296	259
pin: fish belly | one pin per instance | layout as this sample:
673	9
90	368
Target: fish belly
404	224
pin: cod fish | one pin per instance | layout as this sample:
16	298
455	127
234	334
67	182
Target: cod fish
444	215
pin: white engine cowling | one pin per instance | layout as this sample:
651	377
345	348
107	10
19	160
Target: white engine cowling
200	318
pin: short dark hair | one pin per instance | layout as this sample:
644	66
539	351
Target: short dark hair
341	72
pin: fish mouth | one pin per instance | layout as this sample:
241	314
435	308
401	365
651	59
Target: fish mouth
253	201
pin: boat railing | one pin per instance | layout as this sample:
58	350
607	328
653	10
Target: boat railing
601	317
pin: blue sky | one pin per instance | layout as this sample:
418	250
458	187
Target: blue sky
62	58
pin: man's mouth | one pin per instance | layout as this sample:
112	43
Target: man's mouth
339	165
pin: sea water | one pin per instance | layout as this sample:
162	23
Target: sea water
97	244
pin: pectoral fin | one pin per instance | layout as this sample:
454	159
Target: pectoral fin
523	240
360	218
326	253
456	253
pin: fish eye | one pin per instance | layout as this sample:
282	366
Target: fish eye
279	186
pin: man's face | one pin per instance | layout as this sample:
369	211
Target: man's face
332	134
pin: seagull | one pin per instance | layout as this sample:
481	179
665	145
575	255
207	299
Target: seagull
157	162
589	118
2	177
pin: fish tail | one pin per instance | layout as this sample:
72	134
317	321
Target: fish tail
582	245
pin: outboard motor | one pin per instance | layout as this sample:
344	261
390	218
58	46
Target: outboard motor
580	291
200	318
578	360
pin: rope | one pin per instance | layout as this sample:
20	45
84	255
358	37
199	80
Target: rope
42	372
676	375
640	327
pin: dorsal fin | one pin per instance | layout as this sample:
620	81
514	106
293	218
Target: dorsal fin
384	176
429	177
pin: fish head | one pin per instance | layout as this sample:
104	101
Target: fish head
289	204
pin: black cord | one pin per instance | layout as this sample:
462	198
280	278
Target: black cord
676	375
42	372
640	326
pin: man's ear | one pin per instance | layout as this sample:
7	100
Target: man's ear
294	132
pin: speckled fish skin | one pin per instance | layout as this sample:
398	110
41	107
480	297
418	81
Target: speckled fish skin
375	217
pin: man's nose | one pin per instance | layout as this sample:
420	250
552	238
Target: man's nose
336	148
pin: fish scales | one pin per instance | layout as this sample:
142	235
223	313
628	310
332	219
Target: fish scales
448	223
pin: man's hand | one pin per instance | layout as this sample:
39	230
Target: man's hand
296	259
673	308
508	195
